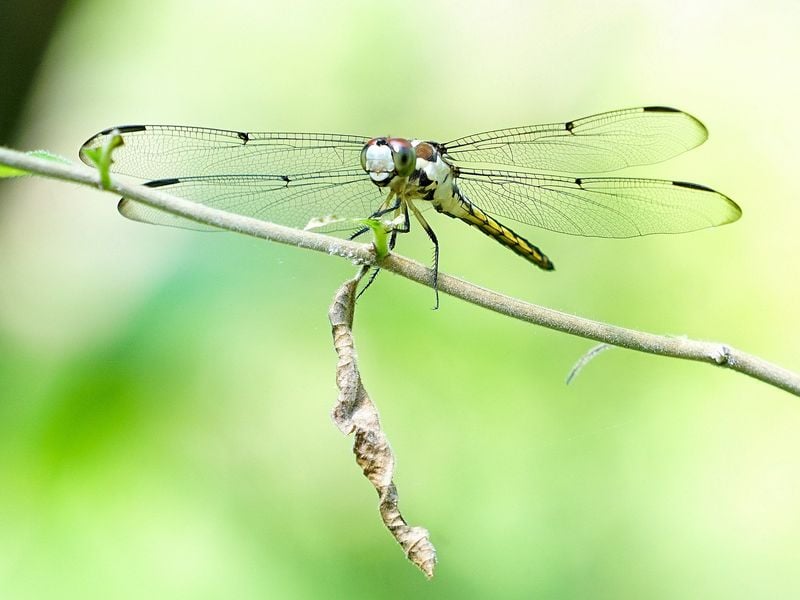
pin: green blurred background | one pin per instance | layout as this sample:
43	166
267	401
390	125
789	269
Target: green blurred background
164	394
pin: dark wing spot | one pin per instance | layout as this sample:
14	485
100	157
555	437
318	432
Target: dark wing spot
579	182
692	186
162	182
244	136
569	126
123	129
660	109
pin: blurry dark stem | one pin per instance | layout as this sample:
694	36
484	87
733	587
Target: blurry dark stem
710	352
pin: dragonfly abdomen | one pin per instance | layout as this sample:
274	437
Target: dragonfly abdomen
469	213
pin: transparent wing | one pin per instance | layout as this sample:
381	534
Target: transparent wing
291	200
287	178
604	142
161	151
609	207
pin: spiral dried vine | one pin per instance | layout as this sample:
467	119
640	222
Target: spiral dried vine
355	413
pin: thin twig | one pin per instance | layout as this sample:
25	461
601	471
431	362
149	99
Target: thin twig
709	352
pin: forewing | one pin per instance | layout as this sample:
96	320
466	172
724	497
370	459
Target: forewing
164	151
596	144
609	207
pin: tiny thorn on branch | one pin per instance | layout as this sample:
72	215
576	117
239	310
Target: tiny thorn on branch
355	413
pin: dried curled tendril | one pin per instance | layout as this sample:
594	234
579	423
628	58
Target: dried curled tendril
355	413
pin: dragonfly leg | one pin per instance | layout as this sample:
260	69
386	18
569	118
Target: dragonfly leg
379	213
358	233
404	229
435	241
370	281
384	211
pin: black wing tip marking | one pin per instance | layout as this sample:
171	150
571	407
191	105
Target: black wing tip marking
162	182
124	129
694	186
660	109
118	129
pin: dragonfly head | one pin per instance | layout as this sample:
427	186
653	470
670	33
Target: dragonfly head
386	158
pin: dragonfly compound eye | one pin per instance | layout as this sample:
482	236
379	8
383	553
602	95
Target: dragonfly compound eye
405	159
376	159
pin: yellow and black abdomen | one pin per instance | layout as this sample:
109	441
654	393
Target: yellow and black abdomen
469	213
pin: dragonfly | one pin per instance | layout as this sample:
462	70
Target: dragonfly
531	176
